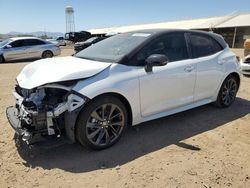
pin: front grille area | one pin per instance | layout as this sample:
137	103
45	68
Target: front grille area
18	89
23	92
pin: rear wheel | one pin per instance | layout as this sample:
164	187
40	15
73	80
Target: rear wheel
101	122
47	54
1	59
227	92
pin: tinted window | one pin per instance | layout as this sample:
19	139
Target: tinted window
32	42
17	43
204	45
216	46
172	45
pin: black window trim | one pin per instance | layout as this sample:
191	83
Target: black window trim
18	40
152	40
212	39
204	35
34	39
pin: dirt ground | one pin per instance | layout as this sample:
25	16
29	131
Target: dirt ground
203	147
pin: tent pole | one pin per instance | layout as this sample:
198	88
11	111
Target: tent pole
235	32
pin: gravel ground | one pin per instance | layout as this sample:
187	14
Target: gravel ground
203	147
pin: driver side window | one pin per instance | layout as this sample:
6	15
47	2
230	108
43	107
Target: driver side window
17	43
172	45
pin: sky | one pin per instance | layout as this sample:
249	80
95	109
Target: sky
49	15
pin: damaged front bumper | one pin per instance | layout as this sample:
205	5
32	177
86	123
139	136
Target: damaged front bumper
38	122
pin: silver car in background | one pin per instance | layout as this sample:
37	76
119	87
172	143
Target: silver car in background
58	41
25	48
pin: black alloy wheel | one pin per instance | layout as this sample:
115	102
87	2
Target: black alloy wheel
101	123
227	92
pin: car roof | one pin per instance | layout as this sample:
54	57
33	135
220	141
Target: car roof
22	38
155	32
161	31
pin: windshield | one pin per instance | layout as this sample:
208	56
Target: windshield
3	43
114	48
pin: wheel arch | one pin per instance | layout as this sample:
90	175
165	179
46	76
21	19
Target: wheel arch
71	118
123	99
47	50
236	75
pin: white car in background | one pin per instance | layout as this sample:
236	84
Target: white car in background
245	66
124	80
18	48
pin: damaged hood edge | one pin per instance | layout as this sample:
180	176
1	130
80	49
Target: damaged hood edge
59	69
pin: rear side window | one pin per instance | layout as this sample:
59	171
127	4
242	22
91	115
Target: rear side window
204	45
216	46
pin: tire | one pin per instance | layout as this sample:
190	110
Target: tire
1	59
47	54
227	93
101	123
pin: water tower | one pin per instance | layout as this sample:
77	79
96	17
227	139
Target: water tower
70	22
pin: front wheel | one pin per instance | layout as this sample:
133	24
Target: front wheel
101	122
227	92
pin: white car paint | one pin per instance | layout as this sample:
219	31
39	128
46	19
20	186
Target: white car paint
58	69
168	89
154	74
245	67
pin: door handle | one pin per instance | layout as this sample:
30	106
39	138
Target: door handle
188	68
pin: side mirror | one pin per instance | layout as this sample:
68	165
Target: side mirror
155	60
8	46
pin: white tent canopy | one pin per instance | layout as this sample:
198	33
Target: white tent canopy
233	20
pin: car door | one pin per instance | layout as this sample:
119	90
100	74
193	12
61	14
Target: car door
170	86
16	51
208	54
34	47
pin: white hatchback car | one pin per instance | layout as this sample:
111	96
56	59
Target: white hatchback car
124	80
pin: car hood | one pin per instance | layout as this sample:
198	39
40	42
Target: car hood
59	69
